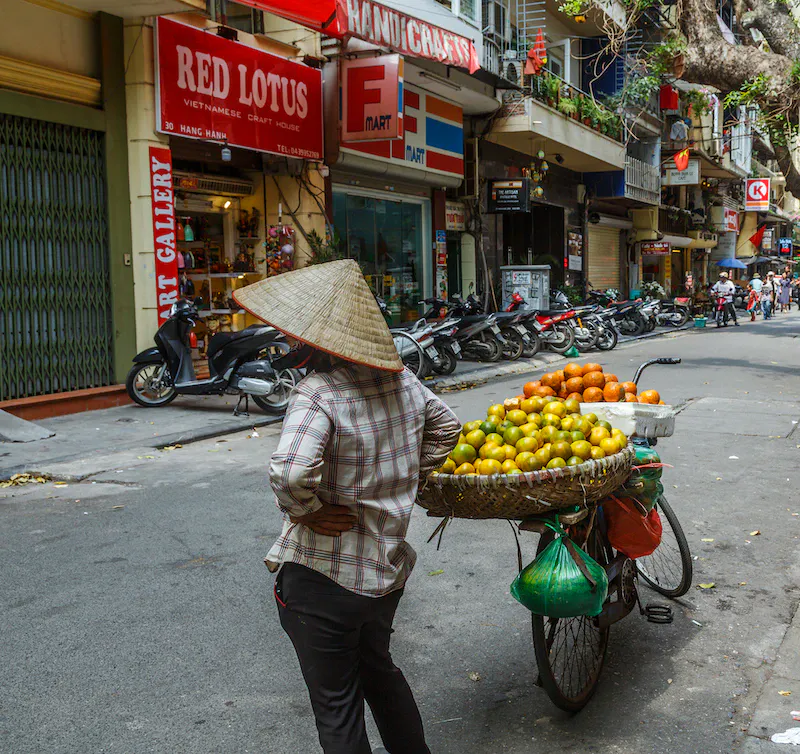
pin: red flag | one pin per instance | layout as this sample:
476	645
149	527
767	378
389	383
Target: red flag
758	236
537	56
682	159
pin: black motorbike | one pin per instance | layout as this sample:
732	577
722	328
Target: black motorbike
239	363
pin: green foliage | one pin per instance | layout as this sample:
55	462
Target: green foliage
699	101
794	74
552	86
567	106
750	92
662	58
641	88
574	7
327	249
572	292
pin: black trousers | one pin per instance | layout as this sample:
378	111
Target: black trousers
342	642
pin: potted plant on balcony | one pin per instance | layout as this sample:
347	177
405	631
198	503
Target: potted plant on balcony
588	111
551	90
569	107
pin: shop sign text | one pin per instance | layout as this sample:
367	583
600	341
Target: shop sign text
455	216
166	253
656	248
387	27
214	89
372	98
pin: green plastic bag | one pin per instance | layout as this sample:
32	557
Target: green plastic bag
555	584
645	484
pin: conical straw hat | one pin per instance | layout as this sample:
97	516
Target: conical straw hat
329	306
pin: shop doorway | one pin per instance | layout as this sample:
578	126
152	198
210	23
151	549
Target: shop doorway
549	241
454	279
387	237
56	331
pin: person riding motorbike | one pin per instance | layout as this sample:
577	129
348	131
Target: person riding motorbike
725	289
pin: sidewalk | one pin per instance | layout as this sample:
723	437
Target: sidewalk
92	435
471	373
772	713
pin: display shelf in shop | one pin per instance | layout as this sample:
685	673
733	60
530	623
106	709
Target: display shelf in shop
212	312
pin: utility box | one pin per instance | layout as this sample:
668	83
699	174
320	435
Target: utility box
532	282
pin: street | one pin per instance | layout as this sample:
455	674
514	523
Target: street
138	615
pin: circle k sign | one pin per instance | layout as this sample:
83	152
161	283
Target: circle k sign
756	194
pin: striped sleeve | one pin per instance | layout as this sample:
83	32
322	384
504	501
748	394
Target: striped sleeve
296	466
440	434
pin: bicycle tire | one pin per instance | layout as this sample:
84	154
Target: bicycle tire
542	626
664	585
411	354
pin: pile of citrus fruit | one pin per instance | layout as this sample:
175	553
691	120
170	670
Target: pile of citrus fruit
587	383
532	432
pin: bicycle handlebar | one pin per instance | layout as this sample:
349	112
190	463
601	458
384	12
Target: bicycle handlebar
664	361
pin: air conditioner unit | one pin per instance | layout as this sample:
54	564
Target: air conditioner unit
510	54
513	72
714	147
200	183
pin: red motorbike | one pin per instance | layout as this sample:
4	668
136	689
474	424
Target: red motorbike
553	326
721	312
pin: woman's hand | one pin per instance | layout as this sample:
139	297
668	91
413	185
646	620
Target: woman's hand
330	520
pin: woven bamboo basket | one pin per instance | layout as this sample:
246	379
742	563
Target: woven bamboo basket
520	495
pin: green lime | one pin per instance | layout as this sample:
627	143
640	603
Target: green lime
555	463
574	461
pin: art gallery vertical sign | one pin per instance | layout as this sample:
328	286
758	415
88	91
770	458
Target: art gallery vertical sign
164	236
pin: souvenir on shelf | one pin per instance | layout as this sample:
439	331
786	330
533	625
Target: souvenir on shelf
188	233
244	262
179	232
280	249
244	223
255	219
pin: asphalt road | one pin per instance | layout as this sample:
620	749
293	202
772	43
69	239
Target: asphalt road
138	617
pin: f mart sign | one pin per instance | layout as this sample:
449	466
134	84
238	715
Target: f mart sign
372	98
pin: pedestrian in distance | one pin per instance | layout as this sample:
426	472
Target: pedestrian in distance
725	289
360	433
757	282
752	301
784	294
767	294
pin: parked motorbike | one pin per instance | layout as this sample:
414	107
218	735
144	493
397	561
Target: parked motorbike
239	363
627	314
478	335
676	311
517	337
551	325
447	347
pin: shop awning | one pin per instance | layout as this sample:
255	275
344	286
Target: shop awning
680	242
378	24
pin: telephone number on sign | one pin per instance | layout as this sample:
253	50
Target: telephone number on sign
300	152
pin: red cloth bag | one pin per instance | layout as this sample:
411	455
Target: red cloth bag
629	531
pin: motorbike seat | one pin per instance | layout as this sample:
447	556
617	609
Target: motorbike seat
221	339
551	312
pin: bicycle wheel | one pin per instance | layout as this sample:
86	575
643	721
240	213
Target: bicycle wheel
669	569
570	652
411	353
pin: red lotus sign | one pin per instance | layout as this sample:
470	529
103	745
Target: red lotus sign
164	231
214	89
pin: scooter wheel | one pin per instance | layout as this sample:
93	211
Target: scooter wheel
143	388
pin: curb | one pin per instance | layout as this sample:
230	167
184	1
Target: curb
481	375
154	443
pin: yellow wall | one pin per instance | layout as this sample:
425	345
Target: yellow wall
63	38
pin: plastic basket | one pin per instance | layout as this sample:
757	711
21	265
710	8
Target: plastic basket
699	321
639	419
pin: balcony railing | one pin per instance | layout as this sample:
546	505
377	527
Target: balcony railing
574	103
642	181
674	221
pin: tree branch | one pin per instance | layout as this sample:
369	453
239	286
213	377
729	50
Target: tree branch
775	22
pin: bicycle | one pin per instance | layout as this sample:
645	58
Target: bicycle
570	652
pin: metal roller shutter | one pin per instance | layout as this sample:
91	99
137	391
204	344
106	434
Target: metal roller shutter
603	261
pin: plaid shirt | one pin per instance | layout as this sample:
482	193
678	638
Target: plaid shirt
359	438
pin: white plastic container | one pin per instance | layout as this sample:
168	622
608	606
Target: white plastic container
640	419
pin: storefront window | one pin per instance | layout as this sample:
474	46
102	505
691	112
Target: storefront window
386	238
